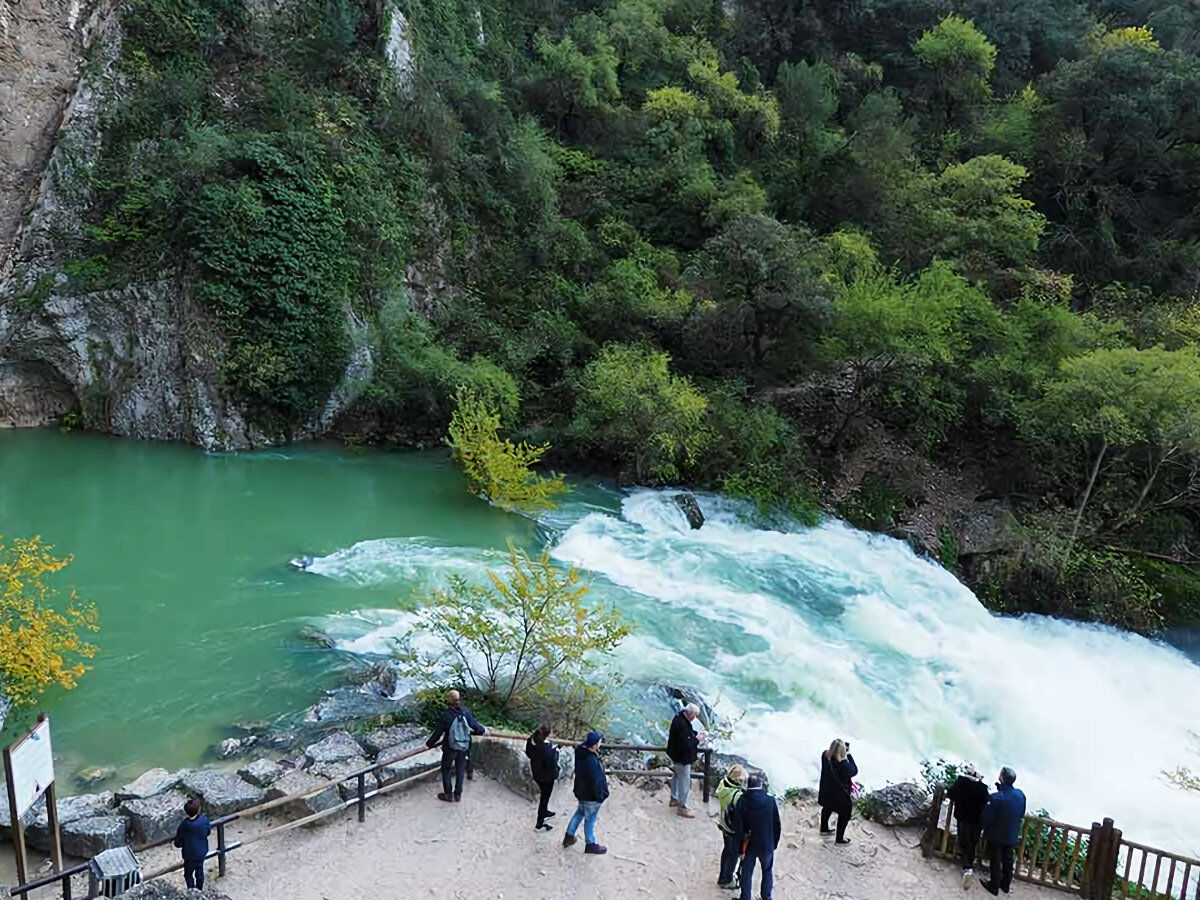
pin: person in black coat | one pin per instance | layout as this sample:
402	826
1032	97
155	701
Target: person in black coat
969	795
192	838
683	746
757	828
456	725
543	764
837	771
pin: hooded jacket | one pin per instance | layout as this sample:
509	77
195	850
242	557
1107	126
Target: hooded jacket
590	781
192	837
543	760
756	817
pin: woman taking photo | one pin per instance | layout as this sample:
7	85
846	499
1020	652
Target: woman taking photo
837	770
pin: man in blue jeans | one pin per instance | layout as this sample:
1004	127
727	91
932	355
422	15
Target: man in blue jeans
591	790
757	828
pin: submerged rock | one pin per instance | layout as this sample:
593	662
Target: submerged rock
94	775
231	747
898	804
690	508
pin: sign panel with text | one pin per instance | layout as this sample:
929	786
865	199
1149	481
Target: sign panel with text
32	767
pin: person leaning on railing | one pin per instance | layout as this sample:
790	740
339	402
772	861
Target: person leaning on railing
456	725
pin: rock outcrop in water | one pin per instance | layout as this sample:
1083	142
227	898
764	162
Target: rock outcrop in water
690	508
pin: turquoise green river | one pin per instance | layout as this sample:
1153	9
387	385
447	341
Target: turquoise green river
186	557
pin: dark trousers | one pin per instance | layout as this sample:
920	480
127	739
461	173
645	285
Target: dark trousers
730	854
968	843
453	761
766	859
1001	857
547	788
843	821
193	873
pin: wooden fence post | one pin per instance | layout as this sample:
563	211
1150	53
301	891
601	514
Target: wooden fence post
931	826
1100	868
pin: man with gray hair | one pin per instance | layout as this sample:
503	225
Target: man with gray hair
683	746
1002	819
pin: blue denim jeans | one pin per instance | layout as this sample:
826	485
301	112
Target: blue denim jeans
767	862
587	812
681	783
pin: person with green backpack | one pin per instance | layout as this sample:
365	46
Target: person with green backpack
729	791
456	725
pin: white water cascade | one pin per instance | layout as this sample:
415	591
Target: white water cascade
816	633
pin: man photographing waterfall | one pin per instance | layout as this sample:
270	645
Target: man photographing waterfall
456	725
683	746
1002	818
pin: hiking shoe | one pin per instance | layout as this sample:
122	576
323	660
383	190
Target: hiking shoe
826	831
568	840
685	813
968	879
543	827
989	887
458	798
446	797
598	849
842	841
673	802
550	815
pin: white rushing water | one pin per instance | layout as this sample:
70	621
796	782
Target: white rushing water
830	632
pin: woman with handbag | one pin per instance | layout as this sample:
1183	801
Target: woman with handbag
836	794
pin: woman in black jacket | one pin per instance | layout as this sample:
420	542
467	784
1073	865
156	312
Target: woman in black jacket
837	770
543	762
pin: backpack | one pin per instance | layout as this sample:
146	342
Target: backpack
458	736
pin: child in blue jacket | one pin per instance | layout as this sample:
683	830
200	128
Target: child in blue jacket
192	838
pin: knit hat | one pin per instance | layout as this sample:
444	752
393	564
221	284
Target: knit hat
592	739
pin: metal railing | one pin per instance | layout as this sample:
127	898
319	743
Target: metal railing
1096	863
362	794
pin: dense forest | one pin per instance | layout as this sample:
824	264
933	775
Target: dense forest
892	258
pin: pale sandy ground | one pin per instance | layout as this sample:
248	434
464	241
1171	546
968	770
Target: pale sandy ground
414	846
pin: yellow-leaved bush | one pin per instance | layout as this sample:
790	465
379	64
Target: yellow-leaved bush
496	468
40	646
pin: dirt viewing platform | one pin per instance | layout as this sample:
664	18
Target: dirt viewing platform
411	845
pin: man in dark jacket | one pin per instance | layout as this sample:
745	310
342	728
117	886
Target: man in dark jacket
591	790
969	795
192	838
543	766
683	746
1002	820
456	725
756	818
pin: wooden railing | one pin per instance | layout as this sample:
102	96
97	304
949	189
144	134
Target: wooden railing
362	794
1096	863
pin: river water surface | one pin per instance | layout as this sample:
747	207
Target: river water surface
807	634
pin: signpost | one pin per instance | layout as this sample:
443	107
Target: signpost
28	774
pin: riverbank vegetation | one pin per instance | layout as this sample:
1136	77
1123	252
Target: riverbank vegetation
892	258
40	646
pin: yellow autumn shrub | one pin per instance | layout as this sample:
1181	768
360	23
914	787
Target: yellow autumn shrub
40	646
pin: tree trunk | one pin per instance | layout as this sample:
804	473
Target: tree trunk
1087	494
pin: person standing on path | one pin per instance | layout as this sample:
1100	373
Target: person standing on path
683	746
543	765
456	725
729	791
969	795
591	790
758	829
192	838
835	796
1002	818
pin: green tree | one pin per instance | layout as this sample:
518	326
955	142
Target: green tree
962	60
496	468
631	408
1127	405
520	640
770	302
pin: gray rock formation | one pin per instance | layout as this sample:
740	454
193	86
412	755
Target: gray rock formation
505	762
337	747
221	793
161	889
397	738
690	508
336	771
70	809
154	818
261	773
899	804
406	768
233	747
84	838
148	784
302	782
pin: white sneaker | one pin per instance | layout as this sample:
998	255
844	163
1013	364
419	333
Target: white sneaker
968	878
